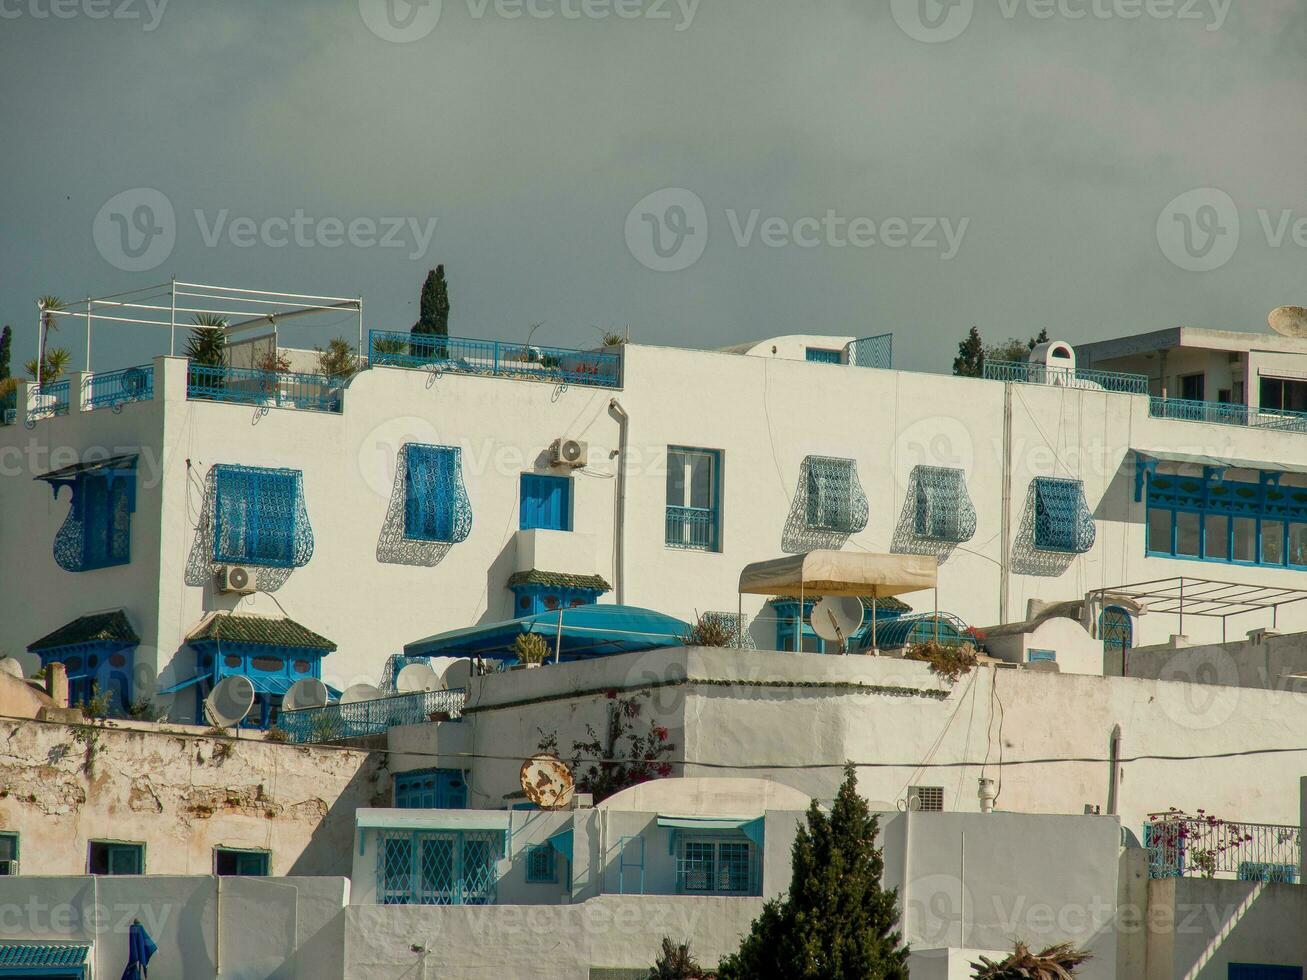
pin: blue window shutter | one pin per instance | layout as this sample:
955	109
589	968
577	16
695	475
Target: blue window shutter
546	502
436	507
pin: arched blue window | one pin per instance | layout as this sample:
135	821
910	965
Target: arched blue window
1115	629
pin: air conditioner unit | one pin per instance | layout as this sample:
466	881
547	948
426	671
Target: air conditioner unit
926	798
238	579
569	452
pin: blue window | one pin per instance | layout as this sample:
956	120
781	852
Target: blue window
436	507
693	499
8	854
1210	519
97	532
115	858
542	865
944	511
823	355
431	789
259	517
438	867
228	861
546	502
716	866
1062	518
1037	656
1258	971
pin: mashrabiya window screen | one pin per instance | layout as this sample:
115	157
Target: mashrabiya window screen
433	867
260	517
944	508
436	505
1062	518
835	498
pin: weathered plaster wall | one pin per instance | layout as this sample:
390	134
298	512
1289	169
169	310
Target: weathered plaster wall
179	794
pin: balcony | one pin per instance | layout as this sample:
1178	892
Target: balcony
1027	372
268	389
51	400
376	717
113	389
494	358
1225	413
1179	845
692	528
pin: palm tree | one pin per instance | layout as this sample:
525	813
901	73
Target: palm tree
207	343
1054	963
676	962
57	360
49	306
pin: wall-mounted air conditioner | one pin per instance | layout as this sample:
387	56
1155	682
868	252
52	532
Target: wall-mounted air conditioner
569	452
238	579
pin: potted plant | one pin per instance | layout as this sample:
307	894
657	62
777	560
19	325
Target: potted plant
531	650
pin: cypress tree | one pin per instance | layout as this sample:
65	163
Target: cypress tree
6	346
970	362
837	922
433	311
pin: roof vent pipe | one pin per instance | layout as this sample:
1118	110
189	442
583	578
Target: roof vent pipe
986	795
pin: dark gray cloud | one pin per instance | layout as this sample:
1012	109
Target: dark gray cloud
1057	140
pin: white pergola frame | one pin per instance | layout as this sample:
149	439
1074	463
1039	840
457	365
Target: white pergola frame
159	306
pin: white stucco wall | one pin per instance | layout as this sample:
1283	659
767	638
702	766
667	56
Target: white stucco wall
746	407
1077	651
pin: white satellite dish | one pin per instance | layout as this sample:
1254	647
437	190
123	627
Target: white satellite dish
458	674
10	666
837	617
308	693
438	667
229	702
1289	321
416	677
359	692
547	781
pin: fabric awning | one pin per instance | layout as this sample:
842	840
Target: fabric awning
1220	461
751	827
586	631
182	685
562	842
823	573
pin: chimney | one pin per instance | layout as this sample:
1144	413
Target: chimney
56	684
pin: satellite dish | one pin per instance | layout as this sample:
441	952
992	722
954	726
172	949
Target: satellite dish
308	693
458	674
359	692
229	702
837	618
547	781
1289	321
10	666
438	667
416	677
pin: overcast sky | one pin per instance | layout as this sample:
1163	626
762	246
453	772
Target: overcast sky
863	167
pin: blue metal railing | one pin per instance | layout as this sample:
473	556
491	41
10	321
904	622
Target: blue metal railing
1025	372
494	358
52	401
375	717
113	388
692	528
871	352
1223	413
1183	845
279	389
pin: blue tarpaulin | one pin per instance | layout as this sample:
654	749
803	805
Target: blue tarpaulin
140	947
586	632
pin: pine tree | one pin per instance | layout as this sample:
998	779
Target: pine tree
837	922
1041	339
6	350
970	362
433	313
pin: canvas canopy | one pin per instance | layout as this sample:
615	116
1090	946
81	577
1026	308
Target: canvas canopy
840	573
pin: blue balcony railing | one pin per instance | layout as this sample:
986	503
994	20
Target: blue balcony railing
1223	413
872	352
1180	845
272	389
1025	372
51	401
375	717
113	388
494	358
692	528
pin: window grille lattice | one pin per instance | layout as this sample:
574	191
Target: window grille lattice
260	518
835	498
944	511
436	506
1062	518
97	531
715	867
437	867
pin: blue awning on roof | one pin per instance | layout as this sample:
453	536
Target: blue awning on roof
562	842
39	955
587	631
182	685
